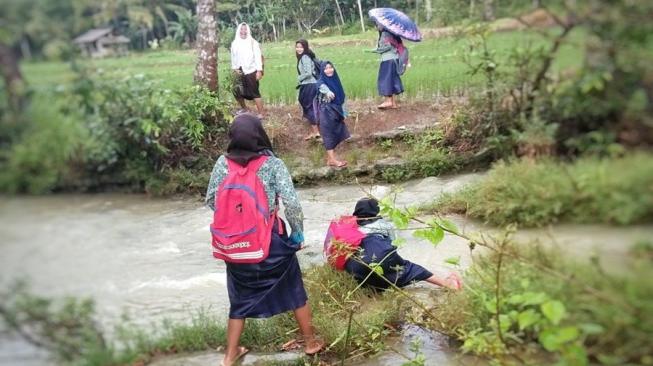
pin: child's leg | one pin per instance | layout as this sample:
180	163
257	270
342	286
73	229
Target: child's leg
241	101
259	106
233	352
305	322
333	160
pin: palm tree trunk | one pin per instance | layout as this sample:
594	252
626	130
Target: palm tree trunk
342	19
13	79
206	70
360	12
428	7
488	10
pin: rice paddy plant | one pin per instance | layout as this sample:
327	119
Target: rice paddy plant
437	66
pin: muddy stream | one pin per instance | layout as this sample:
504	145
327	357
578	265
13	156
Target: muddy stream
151	258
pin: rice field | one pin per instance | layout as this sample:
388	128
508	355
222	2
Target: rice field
437	65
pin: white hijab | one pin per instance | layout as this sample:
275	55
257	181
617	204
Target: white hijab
245	52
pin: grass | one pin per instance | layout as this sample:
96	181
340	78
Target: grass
437	66
329	294
589	190
603	318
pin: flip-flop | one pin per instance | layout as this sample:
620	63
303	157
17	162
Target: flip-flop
242	352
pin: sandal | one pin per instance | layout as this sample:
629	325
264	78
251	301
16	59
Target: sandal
242	351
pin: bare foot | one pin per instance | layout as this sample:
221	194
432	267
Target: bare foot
230	361
312	136
384	106
313	347
336	163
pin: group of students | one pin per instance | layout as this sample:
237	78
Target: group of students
263	273
321	95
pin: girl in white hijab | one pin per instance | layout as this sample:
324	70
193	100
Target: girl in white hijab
247	63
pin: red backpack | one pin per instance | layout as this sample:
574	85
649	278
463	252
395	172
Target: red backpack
242	224
343	230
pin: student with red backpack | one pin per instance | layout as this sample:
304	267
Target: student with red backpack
263	274
394	60
369	240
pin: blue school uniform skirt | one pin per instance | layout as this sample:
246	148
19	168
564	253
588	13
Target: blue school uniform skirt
397	270
332	126
271	287
388	81
307	93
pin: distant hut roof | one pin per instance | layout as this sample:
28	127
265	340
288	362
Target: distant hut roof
115	40
92	35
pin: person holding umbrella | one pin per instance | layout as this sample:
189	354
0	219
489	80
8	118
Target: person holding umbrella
392	25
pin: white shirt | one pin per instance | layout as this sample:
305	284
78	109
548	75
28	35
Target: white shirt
246	53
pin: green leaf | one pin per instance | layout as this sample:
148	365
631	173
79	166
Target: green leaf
491	306
534	298
527	318
549	340
376	267
552	339
591	328
447	225
453	260
554	311
434	235
568	334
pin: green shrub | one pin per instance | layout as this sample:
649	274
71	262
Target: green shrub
618	191
37	161
575	313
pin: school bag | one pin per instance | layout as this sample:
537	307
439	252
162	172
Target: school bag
242	224
403	61
342	240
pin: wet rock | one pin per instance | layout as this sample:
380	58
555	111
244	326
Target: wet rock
391	162
400	132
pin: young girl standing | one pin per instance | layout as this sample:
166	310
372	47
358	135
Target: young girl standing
331	115
274	285
306	78
388	82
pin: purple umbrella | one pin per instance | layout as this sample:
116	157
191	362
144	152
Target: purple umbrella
396	23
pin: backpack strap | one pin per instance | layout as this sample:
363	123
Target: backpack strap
254	164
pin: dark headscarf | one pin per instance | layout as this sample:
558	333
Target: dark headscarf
366	211
247	139
334	85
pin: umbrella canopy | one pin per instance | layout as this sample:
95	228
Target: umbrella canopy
396	23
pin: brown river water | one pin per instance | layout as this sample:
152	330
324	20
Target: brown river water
151	258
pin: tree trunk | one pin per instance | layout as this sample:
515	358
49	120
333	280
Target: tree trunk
206	71
537	4
472	8
342	19
25	49
14	83
360	12
428	8
488	10
417	12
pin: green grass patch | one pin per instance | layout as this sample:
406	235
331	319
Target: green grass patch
551	309
589	190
